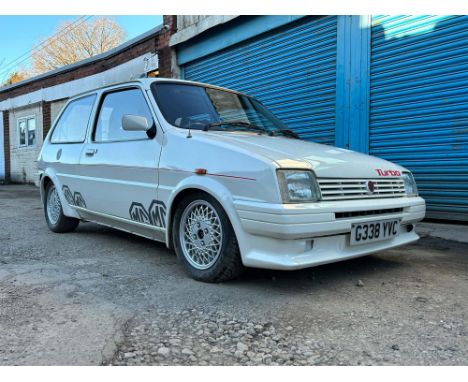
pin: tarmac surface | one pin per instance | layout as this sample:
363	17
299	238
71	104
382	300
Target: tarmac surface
99	296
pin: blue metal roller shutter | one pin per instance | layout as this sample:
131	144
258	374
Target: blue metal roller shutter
419	104
291	69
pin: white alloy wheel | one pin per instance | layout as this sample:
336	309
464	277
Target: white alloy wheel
201	234
54	207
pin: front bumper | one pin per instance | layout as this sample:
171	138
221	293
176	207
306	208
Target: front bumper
294	236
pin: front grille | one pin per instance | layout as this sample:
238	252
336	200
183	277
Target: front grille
346	189
353	214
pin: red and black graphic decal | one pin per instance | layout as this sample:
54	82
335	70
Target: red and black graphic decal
155	215
74	199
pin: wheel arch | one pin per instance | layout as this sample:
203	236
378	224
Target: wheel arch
45	180
209	187
50	177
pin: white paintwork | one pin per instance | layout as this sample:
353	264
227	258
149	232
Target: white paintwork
134	123
241	174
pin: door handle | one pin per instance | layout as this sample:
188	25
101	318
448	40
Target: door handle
91	152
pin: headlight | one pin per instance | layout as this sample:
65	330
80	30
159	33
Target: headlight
298	186
410	185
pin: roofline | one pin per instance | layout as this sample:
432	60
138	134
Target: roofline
195	83
112	52
104	87
153	80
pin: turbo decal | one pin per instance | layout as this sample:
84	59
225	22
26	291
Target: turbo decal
387	172
155	215
74	199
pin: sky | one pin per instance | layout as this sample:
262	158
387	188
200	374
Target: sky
21	33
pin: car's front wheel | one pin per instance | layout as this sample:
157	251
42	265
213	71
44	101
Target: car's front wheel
54	216
204	239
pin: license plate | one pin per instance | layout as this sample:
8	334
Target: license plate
363	233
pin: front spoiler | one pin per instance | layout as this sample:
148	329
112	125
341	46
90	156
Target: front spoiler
291	237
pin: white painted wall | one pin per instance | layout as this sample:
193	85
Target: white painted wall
2	154
23	160
55	109
189	26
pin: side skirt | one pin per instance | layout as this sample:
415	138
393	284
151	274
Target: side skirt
137	228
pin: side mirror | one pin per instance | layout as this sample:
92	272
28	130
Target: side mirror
134	123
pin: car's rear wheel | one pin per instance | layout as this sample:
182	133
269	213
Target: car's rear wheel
204	239
55	218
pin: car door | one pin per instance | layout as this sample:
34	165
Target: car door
63	151
120	168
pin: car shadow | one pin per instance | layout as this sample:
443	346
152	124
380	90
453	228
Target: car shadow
353	269
96	229
123	238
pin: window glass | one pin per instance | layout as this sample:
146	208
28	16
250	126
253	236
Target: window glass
31	131
27	131
22	132
114	106
185	106
195	106
72	125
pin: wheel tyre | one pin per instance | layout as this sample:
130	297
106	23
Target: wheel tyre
63	223
228	265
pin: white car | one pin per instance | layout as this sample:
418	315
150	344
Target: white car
213	174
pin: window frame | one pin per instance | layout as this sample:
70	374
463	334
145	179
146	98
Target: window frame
71	100
26	137
102	97
253	99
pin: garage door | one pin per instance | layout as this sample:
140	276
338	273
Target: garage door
419	104
292	69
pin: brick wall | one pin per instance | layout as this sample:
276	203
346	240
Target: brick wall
46	118
6	144
149	45
164	51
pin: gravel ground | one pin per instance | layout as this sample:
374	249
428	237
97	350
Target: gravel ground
99	296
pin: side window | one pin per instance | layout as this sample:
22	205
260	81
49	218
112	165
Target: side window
27	131
72	125
113	107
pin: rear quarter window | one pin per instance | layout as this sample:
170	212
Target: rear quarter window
73	123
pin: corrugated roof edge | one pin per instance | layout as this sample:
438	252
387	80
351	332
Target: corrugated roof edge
86	61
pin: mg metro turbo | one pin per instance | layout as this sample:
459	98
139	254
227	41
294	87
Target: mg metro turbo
217	177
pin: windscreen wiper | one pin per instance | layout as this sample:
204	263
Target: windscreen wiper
235	123
285	132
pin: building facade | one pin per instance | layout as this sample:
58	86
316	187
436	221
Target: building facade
390	86
28	108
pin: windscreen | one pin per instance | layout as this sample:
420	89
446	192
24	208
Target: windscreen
198	107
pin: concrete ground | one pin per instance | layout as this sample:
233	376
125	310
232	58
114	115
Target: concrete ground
99	296
455	232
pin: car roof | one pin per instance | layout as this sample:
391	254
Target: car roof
146	82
